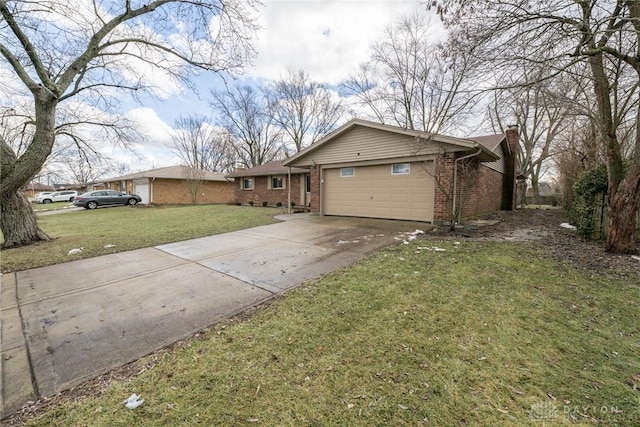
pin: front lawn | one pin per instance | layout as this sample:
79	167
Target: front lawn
44	207
482	333
108	230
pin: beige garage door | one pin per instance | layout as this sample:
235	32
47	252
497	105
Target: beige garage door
376	192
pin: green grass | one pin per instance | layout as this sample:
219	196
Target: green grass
128	228
44	207
488	334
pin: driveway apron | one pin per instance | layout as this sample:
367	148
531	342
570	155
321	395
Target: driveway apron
67	323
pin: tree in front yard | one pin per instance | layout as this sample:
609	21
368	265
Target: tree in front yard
598	37
80	56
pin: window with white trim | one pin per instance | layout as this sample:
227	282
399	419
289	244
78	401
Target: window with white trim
347	172
276	182
401	169
247	183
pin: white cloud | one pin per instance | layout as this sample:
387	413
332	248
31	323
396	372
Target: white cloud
154	151
327	38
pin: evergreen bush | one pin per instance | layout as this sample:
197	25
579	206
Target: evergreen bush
590	184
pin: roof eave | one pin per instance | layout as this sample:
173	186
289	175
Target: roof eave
487	155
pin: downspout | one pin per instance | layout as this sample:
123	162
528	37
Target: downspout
289	192
455	181
150	194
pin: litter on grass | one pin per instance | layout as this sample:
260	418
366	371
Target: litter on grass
410	236
344	242
109	246
568	226
430	248
133	401
75	251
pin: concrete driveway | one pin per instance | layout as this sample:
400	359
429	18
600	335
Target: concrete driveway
69	322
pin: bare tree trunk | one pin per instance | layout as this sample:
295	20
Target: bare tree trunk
18	221
535	190
622	211
623	190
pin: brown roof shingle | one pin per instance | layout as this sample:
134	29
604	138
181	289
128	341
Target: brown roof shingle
170	172
271	168
490	142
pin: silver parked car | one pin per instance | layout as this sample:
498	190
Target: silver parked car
93	199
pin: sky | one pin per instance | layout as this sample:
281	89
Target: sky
326	38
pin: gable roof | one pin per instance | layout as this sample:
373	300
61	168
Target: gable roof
491	142
272	168
170	172
465	143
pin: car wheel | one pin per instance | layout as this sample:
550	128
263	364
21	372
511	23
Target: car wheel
92	205
132	201
71	199
46	201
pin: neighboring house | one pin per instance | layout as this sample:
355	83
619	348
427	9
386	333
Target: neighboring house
34	188
60	187
89	186
367	169
272	183
175	185
544	189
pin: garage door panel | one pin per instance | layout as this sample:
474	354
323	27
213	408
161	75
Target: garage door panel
375	192
142	190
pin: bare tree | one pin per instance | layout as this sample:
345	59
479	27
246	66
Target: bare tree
557	35
243	113
77	168
579	152
412	80
76	153
304	109
200	145
193	178
77	59
541	116
580	147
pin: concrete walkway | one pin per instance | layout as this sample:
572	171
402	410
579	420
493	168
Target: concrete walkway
64	324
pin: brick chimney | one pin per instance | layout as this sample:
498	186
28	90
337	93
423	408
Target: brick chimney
510	166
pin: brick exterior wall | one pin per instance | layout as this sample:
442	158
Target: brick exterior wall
315	189
443	174
481	188
177	192
262	193
484	195
117	186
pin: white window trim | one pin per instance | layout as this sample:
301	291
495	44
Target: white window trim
253	183
401	173
342	175
270	182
